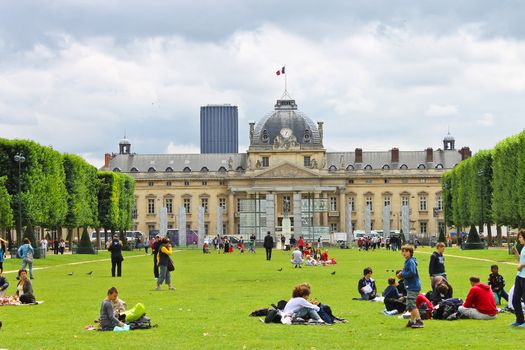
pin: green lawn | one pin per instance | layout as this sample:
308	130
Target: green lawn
215	293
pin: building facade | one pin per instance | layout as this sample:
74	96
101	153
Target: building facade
288	183
219	126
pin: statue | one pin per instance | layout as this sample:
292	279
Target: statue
258	164
342	162
230	164
323	163
313	163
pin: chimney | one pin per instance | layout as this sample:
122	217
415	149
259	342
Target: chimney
358	155
465	153
430	155
394	155
320	129
107	159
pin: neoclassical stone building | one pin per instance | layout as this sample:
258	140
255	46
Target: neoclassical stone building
288	183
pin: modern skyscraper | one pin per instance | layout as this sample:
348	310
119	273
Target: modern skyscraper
219	129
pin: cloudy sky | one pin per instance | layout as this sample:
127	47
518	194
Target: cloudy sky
77	74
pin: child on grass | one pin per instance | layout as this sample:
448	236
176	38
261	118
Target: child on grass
412	281
299	307
497	283
367	286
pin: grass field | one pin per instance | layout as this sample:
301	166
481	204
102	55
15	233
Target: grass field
215	293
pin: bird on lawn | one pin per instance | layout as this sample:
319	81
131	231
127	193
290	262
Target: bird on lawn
280	269
70	274
89	273
333	273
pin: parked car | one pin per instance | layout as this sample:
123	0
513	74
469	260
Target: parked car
131	236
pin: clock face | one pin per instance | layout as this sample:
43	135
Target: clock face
286	132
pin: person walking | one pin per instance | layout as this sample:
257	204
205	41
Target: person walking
519	285
26	252
283	241
155	247
163	260
268	244
115	247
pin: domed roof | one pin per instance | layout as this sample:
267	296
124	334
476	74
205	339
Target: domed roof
448	137
286	116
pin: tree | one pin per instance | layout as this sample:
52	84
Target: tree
85	246
442	237
6	211
108	201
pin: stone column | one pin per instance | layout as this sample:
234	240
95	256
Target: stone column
324	215
342	210
270	216
231	213
297	214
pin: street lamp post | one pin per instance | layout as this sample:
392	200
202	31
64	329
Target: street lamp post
480	174
19	158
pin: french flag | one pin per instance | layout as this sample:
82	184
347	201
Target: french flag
280	71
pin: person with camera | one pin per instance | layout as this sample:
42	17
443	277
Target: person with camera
165	263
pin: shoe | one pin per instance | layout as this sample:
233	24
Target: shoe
158	288
515	324
172	288
418	324
406	315
410	323
312	321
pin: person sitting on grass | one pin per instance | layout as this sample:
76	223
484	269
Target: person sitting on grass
299	306
367	286
310	261
401	285
480	303
24	288
297	257
206	248
424	306
412	281
497	283
107	319
3	284
393	300
324	255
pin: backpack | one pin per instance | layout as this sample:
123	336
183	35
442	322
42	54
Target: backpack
143	322
274	316
446	308
260	312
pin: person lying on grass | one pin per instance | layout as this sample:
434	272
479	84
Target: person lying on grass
107	319
299	306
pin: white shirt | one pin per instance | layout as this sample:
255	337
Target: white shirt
295	304
297	256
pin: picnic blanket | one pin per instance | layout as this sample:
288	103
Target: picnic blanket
13	301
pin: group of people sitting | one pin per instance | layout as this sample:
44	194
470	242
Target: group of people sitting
24	290
312	257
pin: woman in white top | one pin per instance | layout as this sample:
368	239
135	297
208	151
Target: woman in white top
298	306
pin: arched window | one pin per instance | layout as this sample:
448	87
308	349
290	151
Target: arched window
152	170
169	169
368	167
350	167
186	170
222	169
421	166
332	168
439	166
204	169
403	167
239	168
386	167
134	170
117	170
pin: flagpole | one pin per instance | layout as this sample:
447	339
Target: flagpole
285	82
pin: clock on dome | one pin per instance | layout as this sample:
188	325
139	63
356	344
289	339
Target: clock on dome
286	132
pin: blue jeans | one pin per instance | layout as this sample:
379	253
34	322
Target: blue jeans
305	312
519	293
164	275
24	264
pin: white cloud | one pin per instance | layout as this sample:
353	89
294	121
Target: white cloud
369	87
441	110
487	119
182	148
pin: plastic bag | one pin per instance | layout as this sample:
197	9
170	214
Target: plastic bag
135	312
